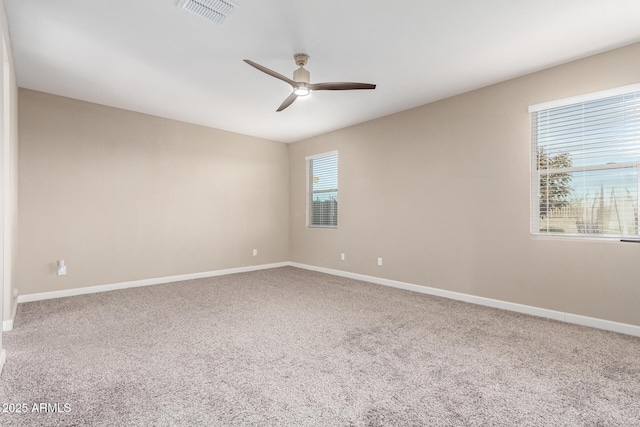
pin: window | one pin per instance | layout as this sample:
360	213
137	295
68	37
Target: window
585	156
322	190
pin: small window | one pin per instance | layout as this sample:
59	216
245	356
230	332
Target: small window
322	190
585	156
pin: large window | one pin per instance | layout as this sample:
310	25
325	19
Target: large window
585	158
322	190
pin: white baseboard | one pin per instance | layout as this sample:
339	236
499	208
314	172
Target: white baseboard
505	305
607	325
7	325
144	282
3	356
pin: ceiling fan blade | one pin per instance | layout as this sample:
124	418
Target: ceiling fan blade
287	102
340	86
270	72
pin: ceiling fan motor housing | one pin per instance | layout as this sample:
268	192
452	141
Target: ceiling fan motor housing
301	75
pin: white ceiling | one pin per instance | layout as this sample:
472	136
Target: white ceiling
154	57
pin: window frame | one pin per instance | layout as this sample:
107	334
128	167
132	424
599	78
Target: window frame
536	174
310	192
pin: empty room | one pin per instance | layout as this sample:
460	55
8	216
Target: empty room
305	213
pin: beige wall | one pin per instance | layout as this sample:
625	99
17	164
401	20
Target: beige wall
441	192
122	196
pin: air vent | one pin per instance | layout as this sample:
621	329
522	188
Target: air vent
214	10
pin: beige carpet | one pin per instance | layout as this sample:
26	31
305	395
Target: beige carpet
289	347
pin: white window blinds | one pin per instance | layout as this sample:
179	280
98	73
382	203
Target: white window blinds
322	185
585	158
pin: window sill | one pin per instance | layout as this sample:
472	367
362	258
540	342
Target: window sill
572	238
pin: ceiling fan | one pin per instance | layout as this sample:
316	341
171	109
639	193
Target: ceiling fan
301	82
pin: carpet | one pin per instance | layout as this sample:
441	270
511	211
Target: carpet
291	347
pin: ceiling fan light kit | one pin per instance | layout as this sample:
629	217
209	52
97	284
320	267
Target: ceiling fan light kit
301	82
302	91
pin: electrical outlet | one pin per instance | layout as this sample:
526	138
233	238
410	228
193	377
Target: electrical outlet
342	257
62	268
255	252
379	261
